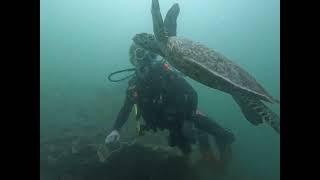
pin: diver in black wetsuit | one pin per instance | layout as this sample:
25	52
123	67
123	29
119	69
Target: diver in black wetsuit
166	100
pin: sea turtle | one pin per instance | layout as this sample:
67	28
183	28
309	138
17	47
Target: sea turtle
208	67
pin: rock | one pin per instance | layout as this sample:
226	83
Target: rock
129	161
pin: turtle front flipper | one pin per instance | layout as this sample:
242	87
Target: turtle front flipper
170	21
158	25
256	112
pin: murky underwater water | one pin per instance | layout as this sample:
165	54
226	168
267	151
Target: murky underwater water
82	41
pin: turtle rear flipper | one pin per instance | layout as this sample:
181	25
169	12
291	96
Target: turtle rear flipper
256	112
170	21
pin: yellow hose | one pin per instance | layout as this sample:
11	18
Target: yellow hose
137	119
135	109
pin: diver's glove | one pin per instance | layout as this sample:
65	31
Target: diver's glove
112	137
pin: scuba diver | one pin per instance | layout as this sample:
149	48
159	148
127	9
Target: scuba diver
165	100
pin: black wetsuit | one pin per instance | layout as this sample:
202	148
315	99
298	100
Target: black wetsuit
166	100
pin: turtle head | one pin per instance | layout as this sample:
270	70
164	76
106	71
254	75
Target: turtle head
148	42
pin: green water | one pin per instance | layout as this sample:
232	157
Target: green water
83	40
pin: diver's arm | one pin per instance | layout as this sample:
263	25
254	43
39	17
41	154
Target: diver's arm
127	105
121	119
123	114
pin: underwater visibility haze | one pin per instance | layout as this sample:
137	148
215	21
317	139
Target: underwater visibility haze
82	41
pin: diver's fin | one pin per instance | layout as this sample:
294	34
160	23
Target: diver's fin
170	21
256	112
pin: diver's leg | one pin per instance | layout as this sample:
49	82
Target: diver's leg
209	158
177	139
185	148
222	136
205	147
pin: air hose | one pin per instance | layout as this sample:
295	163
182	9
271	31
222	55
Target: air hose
121	71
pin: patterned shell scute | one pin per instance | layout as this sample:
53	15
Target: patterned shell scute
214	62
